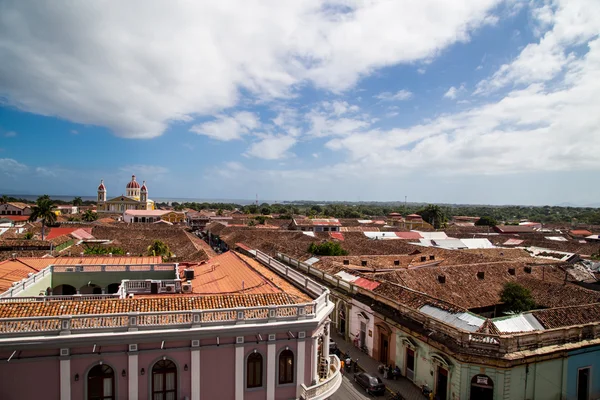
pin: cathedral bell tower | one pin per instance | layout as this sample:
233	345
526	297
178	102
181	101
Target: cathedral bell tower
144	193
101	192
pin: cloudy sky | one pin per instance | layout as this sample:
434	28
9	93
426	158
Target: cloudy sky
463	101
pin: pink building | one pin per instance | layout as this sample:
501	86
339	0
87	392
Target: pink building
245	328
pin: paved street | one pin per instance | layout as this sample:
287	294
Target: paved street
351	391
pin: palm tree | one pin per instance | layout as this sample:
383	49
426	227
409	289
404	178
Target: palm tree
159	248
77	202
89	216
42	210
4	199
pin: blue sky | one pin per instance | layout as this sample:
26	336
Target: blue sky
469	101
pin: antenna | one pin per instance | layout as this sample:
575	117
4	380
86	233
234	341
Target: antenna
256	200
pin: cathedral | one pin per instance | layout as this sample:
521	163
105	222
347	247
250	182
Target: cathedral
136	198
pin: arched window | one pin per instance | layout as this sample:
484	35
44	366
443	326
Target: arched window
164	380
286	367
254	371
482	388
101	383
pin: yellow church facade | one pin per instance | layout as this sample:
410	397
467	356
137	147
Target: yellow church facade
135	198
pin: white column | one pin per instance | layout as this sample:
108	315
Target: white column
326	341
315	359
300	360
195	373
239	373
65	379
271	371
132	366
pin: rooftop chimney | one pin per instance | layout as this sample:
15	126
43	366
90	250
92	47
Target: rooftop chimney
481	275
363	263
432	257
511	271
346	262
396	262
442	278
527	269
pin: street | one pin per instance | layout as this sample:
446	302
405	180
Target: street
351	391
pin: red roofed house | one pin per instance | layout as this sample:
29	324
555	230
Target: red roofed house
15	209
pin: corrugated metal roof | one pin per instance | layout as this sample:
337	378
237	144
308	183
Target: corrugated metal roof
444	243
381	235
513	242
312	260
366	283
408	235
478	243
463	320
346	276
433	235
556	238
337	235
364	221
518	323
309	233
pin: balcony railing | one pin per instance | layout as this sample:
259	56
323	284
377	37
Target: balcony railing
328	386
134	321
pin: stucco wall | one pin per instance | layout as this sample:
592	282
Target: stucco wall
179	357
588	357
217	373
355	321
40	285
21	380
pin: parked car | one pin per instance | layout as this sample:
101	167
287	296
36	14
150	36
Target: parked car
372	384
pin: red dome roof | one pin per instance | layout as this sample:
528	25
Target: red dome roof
144	188
133	184
102	187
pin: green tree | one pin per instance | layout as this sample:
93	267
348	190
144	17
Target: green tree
4	199
99	250
486	221
516	298
159	248
327	249
90	216
434	215
42	211
77	202
28	236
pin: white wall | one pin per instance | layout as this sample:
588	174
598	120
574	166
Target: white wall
355	321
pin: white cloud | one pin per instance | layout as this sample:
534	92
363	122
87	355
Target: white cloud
339	107
74	131
11	166
136	66
539	128
398	96
571	23
45	172
227	128
272	147
453	92
10	134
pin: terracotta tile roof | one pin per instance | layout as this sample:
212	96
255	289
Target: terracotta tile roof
13	271
366	283
580	232
462	285
408	235
136	238
229	273
16	218
567	316
19	205
337	235
56	232
142	304
513	229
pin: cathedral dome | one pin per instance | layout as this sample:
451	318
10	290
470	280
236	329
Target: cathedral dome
144	188
102	187
133	184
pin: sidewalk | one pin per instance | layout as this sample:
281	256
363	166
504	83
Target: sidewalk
403	386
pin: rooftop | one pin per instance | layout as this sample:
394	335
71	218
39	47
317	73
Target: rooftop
317	222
